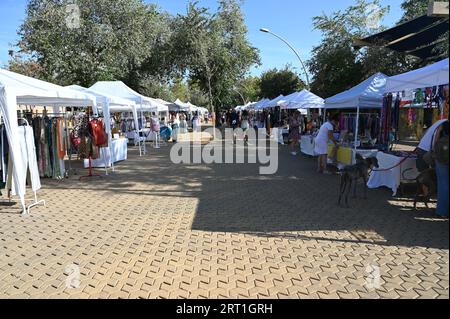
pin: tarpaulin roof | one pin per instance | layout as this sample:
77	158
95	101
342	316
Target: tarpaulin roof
432	75
368	94
409	37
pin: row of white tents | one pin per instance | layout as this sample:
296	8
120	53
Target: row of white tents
366	95
104	97
297	100
179	106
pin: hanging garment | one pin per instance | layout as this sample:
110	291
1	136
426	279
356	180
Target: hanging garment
56	173
4	153
60	139
29	162
46	153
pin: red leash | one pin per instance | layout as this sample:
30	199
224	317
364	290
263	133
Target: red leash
388	169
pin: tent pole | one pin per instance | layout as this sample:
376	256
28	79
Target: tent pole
356	135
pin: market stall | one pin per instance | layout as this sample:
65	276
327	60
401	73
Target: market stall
392	168
368	96
106	103
17	89
301	100
119	89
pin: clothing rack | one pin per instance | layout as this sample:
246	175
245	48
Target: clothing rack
91	171
66	137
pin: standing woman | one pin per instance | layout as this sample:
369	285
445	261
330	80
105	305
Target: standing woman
245	124
294	135
321	142
440	151
196	123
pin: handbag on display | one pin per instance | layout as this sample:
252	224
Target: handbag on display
75	138
99	136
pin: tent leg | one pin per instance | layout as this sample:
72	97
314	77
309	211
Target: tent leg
356	135
103	150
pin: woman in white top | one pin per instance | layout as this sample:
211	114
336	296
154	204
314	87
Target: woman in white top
245	124
321	142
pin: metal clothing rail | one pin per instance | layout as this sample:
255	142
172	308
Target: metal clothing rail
67	140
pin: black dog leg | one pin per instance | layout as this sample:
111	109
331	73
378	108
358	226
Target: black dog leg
416	198
342	189
350	181
365	186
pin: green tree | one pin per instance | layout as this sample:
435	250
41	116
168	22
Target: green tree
100	40
275	82
248	89
218	50
180	89
336	65
413	9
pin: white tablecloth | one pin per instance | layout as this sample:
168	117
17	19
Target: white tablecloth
119	153
392	178
307	145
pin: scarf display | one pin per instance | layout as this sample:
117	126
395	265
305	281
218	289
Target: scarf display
50	146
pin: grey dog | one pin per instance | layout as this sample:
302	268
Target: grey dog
350	175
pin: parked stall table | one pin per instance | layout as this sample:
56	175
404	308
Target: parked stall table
391	170
119	149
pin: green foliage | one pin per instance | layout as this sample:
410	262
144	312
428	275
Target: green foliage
111	40
139	44
215	49
336	65
414	9
249	88
275	82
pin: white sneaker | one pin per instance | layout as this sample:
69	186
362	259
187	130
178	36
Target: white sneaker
294	153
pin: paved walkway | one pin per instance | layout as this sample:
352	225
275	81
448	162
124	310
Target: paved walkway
158	230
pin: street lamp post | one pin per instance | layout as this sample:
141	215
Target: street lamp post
293	49
240	94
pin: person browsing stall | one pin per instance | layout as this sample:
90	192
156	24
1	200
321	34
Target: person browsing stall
324	136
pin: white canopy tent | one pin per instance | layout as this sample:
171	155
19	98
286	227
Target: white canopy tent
203	110
192	107
261	104
109	103
17	89
183	107
120	89
432	75
274	102
366	95
163	106
302	100
248	106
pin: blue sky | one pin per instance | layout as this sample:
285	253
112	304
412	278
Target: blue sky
290	18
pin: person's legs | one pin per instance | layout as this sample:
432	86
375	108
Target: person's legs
321	166
442	180
324	162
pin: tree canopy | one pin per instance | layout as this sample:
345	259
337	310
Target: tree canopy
91	40
275	82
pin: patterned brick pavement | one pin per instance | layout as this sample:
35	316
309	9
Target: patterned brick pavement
158	230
